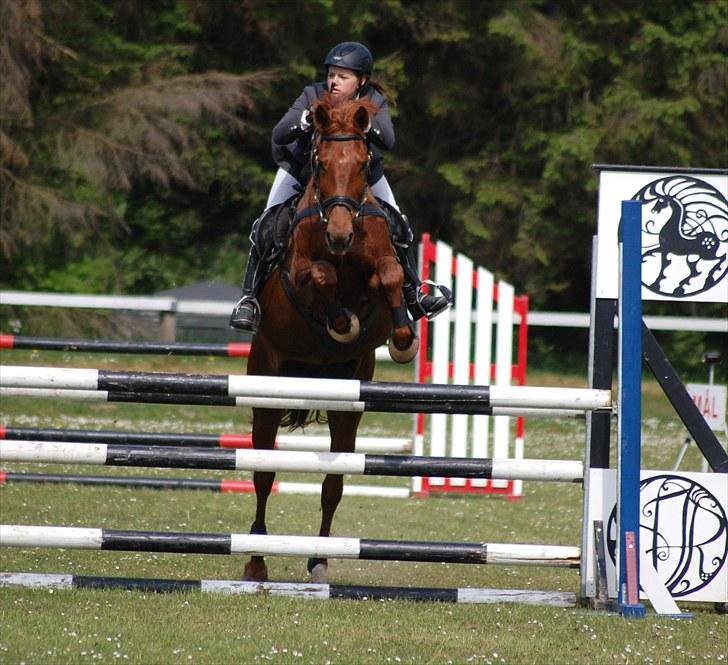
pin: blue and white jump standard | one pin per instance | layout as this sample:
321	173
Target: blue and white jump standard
630	411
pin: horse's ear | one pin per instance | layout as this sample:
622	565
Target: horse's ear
361	119
321	116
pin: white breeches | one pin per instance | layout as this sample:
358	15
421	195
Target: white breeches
383	192
285	186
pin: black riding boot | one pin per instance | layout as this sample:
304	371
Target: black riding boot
267	239
246	313
418	303
423	304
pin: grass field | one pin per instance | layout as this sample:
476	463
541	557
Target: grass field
42	626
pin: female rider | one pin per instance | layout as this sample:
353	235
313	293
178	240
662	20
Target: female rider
348	70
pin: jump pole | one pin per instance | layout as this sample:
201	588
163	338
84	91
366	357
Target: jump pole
348	394
230	350
467	595
287	460
134	397
364	444
229	485
184	542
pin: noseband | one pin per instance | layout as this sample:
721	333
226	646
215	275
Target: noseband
353	205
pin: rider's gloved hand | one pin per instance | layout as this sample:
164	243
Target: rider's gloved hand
306	120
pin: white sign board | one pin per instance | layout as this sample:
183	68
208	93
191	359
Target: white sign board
710	400
684	232
683	531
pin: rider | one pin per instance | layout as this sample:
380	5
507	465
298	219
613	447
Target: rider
348	69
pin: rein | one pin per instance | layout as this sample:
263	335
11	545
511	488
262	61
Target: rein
323	208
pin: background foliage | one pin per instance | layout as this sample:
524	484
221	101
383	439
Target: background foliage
134	136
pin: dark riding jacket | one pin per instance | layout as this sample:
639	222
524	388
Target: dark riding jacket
291	145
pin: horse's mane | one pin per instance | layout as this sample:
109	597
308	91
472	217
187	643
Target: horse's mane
341	111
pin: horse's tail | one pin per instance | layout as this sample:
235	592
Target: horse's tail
296	418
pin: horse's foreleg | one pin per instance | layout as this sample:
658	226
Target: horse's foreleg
342	325
331	491
265	428
342	427
404	343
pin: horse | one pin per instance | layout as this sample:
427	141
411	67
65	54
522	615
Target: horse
333	298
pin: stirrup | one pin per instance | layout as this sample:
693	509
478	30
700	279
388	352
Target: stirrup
249	323
446	296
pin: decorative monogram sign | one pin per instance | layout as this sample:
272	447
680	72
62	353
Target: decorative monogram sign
683	530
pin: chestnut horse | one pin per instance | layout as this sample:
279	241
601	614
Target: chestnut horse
334	298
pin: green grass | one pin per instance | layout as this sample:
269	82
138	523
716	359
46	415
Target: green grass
41	626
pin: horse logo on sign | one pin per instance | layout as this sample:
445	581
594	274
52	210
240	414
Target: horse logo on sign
684	236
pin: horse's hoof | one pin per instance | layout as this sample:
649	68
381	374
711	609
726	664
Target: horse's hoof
404	355
351	335
318	573
255	571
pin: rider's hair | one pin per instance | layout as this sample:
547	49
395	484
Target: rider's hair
376	85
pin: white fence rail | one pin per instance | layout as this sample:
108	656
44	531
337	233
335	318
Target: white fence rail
166	305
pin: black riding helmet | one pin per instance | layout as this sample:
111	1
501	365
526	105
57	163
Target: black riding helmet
351	55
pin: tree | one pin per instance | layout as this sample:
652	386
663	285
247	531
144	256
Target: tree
117	152
138	132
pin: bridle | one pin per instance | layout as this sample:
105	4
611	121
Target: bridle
353	205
